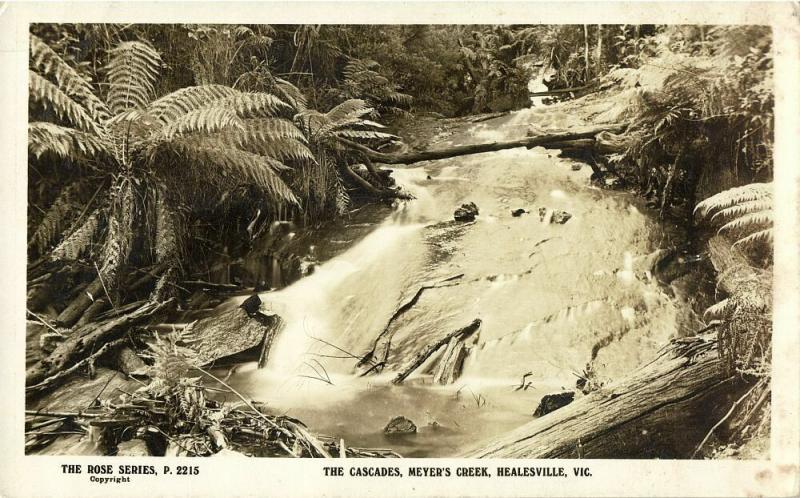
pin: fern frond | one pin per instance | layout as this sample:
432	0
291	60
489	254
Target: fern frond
349	109
291	94
119	238
49	63
766	235
66	143
56	218
255	105
180	102
363	134
737	195
132	72
76	243
51	97
263	171
716	311
207	119
746	207
757	220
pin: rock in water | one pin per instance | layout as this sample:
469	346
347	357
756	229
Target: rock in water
133	448
467	212
552	402
518	212
400	425
560	217
576	167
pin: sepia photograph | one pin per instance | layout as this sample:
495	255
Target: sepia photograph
391	241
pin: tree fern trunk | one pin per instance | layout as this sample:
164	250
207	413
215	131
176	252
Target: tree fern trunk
167	246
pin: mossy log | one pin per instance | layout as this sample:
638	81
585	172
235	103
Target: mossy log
662	410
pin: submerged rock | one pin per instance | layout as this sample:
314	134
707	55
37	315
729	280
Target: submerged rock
552	402
518	212
467	212
400	425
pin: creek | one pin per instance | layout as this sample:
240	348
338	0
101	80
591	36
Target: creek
551	297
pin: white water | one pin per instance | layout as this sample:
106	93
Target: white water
547	295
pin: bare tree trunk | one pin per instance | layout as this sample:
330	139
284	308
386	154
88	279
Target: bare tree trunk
599	54
586	50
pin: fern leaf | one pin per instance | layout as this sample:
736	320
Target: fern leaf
51	97
737	195
261	170
170	107
76	243
291	94
208	120
255	105
716	311
742	209
120	232
766	235
132	71
363	134
49	63
65	143
349	109
757	220
56	218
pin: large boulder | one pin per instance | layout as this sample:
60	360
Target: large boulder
400	425
467	212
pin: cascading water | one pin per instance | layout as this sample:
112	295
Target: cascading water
551	299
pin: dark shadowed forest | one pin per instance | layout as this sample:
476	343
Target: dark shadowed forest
216	212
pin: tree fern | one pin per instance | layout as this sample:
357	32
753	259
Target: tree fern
131	72
209	119
119	238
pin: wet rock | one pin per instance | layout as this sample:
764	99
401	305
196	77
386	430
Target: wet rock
542	213
429	177
560	217
518	212
552	402
576	167
400	425
467	212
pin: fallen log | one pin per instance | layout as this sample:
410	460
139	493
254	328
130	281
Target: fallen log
449	368
662	410
423	355
72	313
462	150
375	359
89	338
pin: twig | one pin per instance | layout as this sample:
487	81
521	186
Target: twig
42	320
100	276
